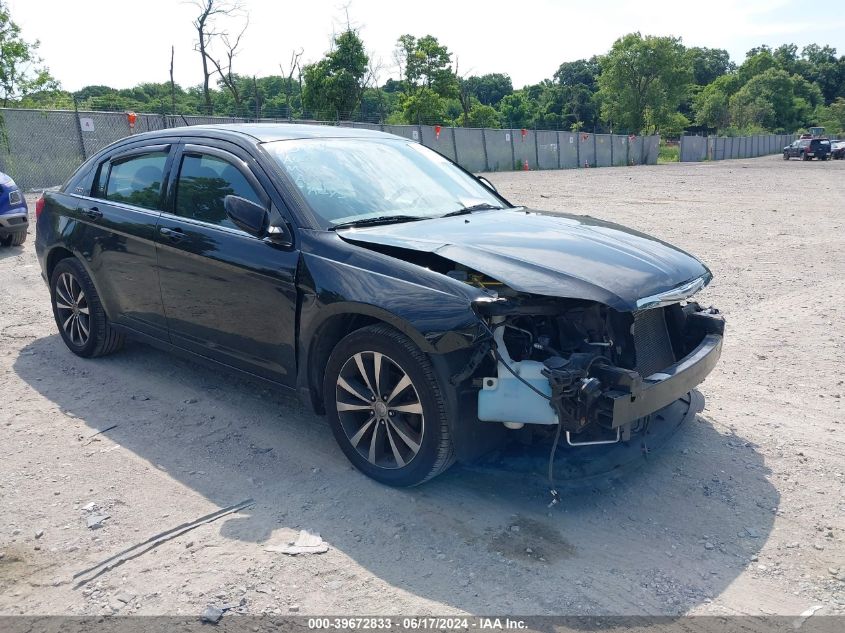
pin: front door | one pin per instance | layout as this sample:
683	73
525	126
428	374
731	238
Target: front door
227	295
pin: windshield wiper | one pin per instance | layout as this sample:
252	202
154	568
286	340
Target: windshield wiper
483	206
381	219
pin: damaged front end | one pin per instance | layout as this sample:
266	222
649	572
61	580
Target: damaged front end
596	372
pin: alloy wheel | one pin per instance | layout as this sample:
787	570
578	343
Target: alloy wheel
379	410
73	310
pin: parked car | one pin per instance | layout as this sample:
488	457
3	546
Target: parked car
837	149
396	292
807	149
14	214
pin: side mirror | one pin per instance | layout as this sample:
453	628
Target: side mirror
279	235
487	183
246	215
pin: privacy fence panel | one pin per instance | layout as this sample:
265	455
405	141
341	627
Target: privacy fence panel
500	152
42	148
619	144
471	153
652	149
698	148
547	147
604	150
442	143
587	150
525	148
568	143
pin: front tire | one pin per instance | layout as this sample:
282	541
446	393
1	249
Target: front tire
386	407
785	156
79	314
15	239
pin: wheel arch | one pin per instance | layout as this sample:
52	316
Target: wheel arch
56	254
336	322
59	253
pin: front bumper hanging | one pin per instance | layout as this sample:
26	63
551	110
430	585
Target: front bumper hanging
585	390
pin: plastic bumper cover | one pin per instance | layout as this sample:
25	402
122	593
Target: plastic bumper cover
663	388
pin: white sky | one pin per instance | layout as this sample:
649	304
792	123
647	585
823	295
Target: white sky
124	42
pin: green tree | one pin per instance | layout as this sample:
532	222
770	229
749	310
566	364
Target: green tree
517	110
831	117
643	80
424	106
582	72
21	69
425	63
708	64
333	86
483	115
711	103
774	100
489	89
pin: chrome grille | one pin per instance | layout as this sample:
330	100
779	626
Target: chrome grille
651	341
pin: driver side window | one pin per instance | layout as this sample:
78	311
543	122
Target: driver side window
204	182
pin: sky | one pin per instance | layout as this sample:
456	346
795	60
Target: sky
122	43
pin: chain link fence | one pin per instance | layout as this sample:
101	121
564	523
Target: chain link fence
42	148
699	148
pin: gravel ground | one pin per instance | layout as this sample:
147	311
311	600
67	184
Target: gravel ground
742	512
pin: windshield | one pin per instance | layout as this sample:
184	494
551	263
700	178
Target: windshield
349	180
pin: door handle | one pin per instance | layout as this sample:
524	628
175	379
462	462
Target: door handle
93	213
174	235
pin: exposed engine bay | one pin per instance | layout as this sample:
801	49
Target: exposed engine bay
575	363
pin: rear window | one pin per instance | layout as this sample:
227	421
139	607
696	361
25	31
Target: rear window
136	181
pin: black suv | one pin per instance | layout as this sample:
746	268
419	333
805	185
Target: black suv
807	149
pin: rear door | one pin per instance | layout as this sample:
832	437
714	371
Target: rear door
227	295
120	220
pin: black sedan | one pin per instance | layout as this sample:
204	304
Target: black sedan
400	295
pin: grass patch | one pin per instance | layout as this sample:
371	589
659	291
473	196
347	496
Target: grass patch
668	153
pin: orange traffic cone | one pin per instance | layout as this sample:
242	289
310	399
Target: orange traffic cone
525	165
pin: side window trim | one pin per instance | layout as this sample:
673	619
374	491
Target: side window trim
192	149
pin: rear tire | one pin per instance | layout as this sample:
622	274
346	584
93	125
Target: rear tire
393	428
79	314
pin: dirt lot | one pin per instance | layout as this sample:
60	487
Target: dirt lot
742	513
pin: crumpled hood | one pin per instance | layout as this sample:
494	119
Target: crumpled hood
557	255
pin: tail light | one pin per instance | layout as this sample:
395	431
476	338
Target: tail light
39	207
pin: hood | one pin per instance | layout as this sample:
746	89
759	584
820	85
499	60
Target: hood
556	255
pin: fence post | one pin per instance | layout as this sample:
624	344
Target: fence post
79	130
611	149
577	134
513	153
536	149
484	146
557	137
595	149
455	146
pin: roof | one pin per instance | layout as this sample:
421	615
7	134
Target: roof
264	132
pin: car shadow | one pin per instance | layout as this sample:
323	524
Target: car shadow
662	535
10	251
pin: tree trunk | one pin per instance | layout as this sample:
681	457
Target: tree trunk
172	83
